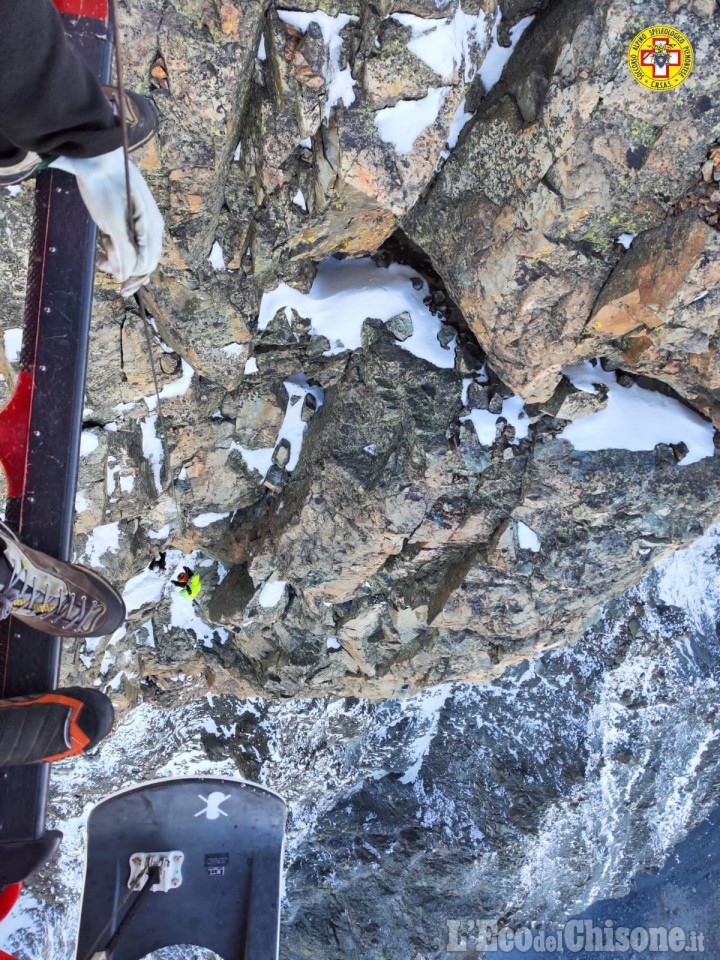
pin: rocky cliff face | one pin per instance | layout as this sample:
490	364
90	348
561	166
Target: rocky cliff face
392	259
566	154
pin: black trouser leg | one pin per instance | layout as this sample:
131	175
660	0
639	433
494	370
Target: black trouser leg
50	102
9	153
5	572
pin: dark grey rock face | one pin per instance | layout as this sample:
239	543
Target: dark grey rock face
680	902
399	533
524	800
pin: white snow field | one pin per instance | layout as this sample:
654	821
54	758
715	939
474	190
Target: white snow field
271	593
205	519
346	292
635	419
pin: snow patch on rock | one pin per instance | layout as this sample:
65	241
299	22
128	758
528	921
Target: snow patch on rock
12	339
272	593
339	82
494	63
401	124
101	541
205	519
152	447
527	538
146	587
216	258
178	388
346	292
635	419
445	45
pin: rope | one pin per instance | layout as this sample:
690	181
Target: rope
139	296
166	449
153	875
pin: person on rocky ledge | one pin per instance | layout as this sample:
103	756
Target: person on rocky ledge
189	581
54	112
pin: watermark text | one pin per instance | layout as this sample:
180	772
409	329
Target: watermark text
575	936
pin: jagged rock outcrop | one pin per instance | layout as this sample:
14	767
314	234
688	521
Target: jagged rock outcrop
396	537
660	309
396	541
288	134
567	153
399	537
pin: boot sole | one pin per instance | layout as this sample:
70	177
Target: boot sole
97	716
16	178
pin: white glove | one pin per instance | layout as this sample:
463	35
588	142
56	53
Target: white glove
101	181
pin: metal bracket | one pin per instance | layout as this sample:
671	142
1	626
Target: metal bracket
170	864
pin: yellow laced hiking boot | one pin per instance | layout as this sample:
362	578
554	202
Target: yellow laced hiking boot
62	599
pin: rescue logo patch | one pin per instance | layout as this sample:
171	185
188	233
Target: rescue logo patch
660	57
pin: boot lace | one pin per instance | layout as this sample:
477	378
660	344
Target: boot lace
66	612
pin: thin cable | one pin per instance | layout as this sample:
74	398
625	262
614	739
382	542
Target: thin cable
146	324
101	936
139	297
121	110
153	877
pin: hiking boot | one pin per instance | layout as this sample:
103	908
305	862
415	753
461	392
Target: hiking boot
52	726
18	172
141	117
141	123
62	599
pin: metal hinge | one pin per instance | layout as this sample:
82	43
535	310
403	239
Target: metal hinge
169	865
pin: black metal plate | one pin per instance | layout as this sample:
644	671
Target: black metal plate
231	834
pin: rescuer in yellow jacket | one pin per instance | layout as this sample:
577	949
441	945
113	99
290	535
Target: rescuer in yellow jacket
189	581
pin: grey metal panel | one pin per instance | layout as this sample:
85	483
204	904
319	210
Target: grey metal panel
54	353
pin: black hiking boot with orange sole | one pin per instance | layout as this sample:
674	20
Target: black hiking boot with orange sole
52	726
